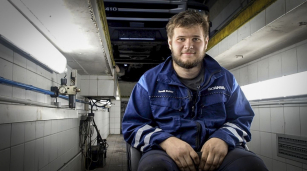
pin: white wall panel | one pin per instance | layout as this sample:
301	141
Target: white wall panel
93	88
263	70
256	120
105	87
29	157
19	93
31	66
258	22
18	134
5	156
275	10
303	119
290	4
275	66
29	131
289	62
243	76
301	57
17	156
277	120
279	166
252	73
39	129
256	142
6	69
20	60
292	121
6	53
233	39
5	134
244	31
266	144
268	162
265	119
6	90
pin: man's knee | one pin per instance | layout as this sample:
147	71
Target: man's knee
155	161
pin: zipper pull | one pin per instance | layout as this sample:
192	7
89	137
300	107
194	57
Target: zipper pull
180	109
192	108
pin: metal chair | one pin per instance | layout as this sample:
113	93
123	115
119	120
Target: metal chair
133	157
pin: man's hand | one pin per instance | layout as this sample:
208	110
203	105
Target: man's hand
181	152
213	154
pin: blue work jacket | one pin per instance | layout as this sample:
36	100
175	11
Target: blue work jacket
160	106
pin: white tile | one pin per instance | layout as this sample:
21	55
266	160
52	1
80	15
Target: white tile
290	4
244	31
279	166
277	120
61	143
275	66
39	129
93	88
266	144
292	121
289	62
31	78
5	134
223	45
54	126
93	77
6	69
265	119
252	73
301	57
294	163
256	120
268	162
243	76
6	53
19	74
17	158
275	10
53	147
31	66
40	70
85	87
19	93
47	128
31	95
6	90
46	150
20	60
5	156
29	157
263	69
42	98
46	168
18	133
29	131
274	149
39	152
293	168
54	165
258	22
233	39
303	119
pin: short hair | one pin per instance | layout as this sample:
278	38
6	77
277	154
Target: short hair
188	19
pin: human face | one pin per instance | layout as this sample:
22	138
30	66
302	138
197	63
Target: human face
188	46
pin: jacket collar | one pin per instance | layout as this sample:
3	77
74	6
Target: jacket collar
168	74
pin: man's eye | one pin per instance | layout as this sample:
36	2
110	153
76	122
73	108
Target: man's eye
181	39
196	39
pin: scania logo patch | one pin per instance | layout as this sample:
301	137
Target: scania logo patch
216	88
165	91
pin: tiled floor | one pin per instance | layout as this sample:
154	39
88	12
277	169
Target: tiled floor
116	154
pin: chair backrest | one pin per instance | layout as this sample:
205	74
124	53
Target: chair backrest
133	157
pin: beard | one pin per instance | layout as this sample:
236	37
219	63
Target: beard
187	64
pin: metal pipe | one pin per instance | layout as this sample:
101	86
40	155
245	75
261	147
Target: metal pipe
32	88
27	102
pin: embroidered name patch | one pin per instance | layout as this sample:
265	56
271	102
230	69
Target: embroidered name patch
216	88
165	91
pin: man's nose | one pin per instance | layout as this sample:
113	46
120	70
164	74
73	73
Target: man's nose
188	44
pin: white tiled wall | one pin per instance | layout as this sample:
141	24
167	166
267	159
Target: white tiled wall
272	120
115	120
29	151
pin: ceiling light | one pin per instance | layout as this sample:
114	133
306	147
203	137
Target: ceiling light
20	32
290	85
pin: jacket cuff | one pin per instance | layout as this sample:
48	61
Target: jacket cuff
224	135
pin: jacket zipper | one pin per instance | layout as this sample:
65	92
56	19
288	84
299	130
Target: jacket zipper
198	136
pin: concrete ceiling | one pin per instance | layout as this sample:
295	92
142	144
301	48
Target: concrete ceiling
71	27
282	32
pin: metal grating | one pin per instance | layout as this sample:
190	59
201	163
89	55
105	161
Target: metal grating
292	147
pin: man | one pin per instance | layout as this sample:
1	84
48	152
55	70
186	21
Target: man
190	104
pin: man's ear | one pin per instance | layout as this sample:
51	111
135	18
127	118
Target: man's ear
169	41
206	41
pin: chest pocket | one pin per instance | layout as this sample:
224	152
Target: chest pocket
166	111
213	111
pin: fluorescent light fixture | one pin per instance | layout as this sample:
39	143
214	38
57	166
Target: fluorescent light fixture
290	85
19	31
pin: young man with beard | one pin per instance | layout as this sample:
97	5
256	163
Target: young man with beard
190	104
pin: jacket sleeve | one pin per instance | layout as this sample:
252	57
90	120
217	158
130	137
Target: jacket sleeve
236	130
138	126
